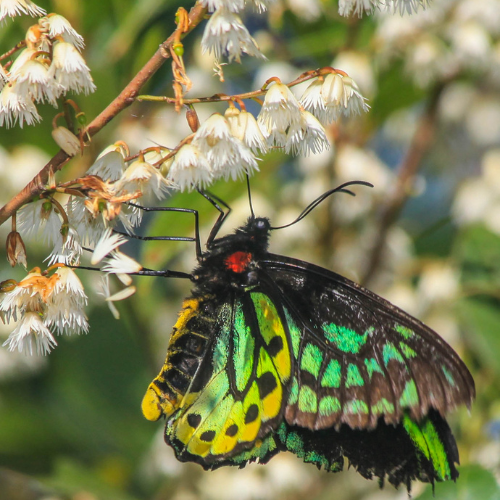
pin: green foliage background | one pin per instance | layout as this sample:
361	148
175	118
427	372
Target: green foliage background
71	426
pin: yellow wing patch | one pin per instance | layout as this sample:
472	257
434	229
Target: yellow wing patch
274	335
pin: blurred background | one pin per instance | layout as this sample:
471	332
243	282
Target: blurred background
426	237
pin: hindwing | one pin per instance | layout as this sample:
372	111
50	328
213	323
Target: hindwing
358	357
237	386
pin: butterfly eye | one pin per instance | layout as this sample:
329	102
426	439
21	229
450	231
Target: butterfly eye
262	224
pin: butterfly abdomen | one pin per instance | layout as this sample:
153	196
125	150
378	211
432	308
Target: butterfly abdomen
185	353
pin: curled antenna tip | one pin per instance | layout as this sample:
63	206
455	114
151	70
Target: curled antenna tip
324	196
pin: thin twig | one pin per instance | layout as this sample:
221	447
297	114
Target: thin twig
309	75
422	141
124	99
14	49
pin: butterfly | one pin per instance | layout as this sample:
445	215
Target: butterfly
271	354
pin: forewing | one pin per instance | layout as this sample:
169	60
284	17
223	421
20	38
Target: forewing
238	393
358	357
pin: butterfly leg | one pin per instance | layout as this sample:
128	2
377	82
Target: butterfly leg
196	238
216	202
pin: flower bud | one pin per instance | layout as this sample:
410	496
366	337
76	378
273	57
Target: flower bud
16	251
66	140
192	119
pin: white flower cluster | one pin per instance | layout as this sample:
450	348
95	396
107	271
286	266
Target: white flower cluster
84	219
215	152
225	34
43	305
286	124
49	67
335	95
459	36
50	303
225	146
358	7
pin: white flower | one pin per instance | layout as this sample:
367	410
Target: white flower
190	168
121	263
143	177
275	137
88	227
44	302
67	249
231	5
130	216
312	100
121	295
307	136
13	8
408	6
23	297
280	108
16	105
262	5
69	69
245	128
110	165
30	335
346	7
24	56
65	305
336	95
57	25
225	34
428	59
33	78
354	103
38	219
227	155
107	243
105	292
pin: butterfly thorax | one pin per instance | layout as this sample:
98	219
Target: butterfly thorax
232	262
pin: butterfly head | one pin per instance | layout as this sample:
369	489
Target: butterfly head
257	229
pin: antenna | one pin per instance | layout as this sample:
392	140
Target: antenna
324	196
250	197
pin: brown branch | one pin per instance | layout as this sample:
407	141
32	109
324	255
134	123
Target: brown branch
125	98
422	141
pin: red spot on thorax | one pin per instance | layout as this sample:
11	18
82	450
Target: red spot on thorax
238	261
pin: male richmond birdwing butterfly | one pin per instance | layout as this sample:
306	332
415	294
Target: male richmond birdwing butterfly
271	353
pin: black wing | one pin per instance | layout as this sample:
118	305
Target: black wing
357	356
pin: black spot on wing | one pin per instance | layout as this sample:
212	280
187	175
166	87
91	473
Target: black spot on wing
232	430
207	436
266	384
194	420
275	346
252	414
